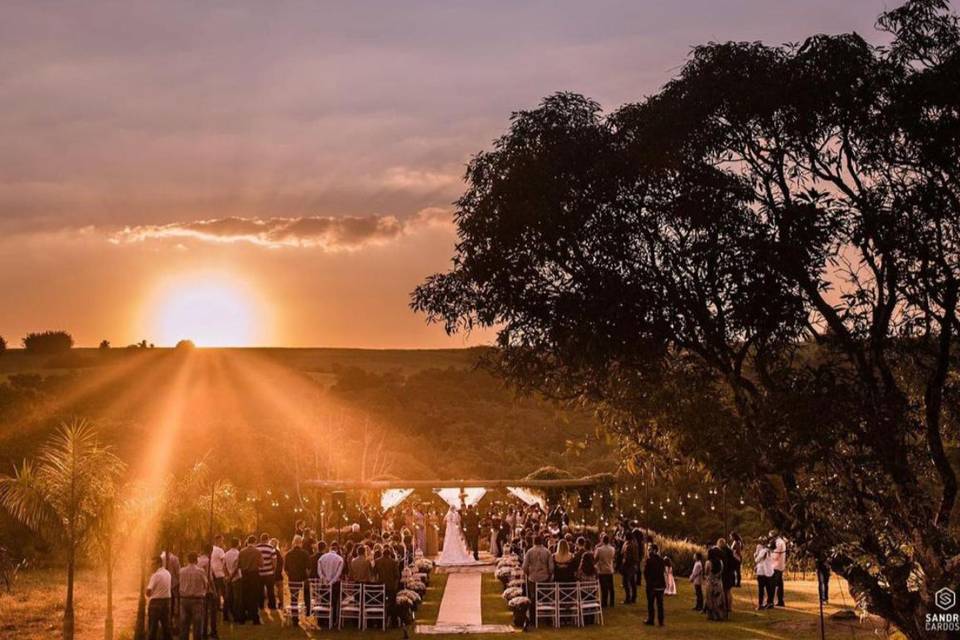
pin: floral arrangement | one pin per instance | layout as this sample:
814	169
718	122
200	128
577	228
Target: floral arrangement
503	572
511	593
516	583
519	601
520	606
412	596
424	565
508	561
415	585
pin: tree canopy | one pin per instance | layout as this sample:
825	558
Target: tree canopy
755	269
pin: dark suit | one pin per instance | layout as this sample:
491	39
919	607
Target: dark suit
471	531
387	572
655	573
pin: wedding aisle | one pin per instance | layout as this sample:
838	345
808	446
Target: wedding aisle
460	607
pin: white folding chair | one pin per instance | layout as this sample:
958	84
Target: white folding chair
295	606
590	601
568	603
321	602
351	603
545	603
374	605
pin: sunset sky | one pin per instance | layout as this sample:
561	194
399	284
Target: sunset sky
281	173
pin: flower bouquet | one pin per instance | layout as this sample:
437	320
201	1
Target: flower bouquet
413	596
405	607
504	574
520	606
424	565
516	582
415	585
511	593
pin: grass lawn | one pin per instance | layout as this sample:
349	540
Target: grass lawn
32	612
799	621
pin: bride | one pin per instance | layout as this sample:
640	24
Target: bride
454	546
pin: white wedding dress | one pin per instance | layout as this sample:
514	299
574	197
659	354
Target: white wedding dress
455	550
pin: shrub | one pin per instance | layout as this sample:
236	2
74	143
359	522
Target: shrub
47	342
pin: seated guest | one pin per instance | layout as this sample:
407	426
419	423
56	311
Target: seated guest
563	568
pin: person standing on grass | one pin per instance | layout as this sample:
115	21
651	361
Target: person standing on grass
250	585
537	567
193	593
823	580
158	610
763	568
211	604
295	565
233	598
217	555
696	579
606	556
654	570
330	571
629	568
736	545
729	573
779	565
267	596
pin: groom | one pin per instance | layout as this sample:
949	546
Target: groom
471	530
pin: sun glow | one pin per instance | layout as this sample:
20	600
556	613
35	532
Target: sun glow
211	310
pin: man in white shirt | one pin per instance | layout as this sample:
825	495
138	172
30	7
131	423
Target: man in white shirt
158	592
329	570
217	569
232	598
605	556
779	565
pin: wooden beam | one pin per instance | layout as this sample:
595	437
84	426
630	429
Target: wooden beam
333	485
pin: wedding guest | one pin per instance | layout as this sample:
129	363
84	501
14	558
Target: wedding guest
729	572
671	588
763	569
193	592
277	571
172	564
587	572
330	570
714	604
537	567
158	596
564	569
736	545
295	565
361	567
251	587
779	565
823	580
629	566
218	571
654	571
387	572
211	604
420	526
268	566
696	579
605	555
233	597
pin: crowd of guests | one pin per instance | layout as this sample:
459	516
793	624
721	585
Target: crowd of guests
240	582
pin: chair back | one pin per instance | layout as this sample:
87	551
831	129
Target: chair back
589	593
374	596
546	593
351	596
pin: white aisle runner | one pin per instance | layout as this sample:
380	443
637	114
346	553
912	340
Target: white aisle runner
460	607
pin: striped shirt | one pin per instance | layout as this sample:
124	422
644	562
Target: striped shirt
268	559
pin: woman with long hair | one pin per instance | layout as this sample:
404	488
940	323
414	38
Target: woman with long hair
563	567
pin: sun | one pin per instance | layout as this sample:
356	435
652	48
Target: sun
212	310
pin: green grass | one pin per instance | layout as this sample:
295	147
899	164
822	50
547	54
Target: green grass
32	612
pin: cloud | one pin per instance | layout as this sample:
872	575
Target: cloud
329	233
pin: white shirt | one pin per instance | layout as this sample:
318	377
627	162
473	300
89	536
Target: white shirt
329	567
216	562
763	560
159	584
780	555
231	560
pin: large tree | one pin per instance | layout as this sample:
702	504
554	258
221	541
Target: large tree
758	269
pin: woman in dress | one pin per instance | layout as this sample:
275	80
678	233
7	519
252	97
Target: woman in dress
671	589
564	569
714	604
454	546
433	544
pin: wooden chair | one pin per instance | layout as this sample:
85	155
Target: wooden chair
545	605
295	606
351	603
321	602
590	601
568	603
374	605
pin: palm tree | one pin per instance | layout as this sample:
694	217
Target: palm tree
61	494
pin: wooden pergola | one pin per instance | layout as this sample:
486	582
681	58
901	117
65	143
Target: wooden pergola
382	485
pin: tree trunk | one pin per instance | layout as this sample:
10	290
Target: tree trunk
68	607
108	623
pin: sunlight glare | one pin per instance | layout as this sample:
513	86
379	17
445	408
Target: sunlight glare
212	310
